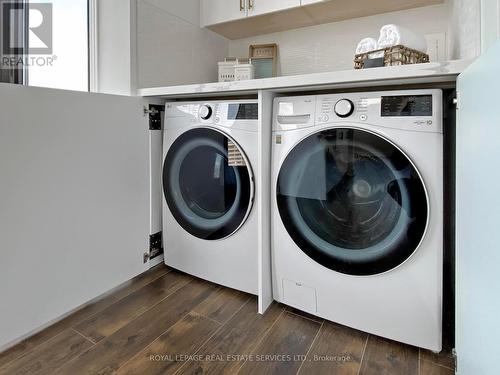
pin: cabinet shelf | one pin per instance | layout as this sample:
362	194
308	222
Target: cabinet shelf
443	74
312	14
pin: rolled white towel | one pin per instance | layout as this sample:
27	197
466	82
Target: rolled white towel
366	45
376	55
393	35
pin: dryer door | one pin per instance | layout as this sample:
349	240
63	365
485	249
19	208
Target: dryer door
352	201
208	183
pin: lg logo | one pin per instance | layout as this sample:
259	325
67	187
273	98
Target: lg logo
38	16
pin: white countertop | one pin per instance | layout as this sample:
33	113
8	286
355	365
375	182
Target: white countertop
394	75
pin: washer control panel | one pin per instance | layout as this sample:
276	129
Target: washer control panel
205	111
406	105
343	108
416	110
413	110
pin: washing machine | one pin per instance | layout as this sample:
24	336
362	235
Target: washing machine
209	201
357	202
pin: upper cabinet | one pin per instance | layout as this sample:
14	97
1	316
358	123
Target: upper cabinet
306	2
258	7
218	11
237	19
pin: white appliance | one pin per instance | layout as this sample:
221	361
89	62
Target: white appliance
357	226
209	218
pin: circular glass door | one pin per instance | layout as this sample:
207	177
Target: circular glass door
208	191
352	201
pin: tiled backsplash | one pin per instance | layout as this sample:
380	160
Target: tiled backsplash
172	48
465	28
331	46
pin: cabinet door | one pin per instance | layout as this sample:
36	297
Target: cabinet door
257	7
218	11
477	212
74	200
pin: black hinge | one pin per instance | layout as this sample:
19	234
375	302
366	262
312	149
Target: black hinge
154	112
155	246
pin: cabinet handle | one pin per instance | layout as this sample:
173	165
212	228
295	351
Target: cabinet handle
250	4
242	5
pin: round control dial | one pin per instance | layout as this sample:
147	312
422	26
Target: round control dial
205	112
344	108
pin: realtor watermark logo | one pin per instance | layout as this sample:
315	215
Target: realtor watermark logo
27	34
39	19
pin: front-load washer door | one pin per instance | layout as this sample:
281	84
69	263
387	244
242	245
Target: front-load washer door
352	201
208	183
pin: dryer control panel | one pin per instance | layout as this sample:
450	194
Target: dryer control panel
241	114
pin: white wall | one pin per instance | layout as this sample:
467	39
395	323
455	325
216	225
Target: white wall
172	48
465	29
116	47
74	201
331	46
490	22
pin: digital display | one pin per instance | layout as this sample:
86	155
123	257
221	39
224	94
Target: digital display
243	111
416	105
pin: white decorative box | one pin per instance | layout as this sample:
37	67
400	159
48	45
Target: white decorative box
226	69
244	72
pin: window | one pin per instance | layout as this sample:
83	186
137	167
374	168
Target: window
45	43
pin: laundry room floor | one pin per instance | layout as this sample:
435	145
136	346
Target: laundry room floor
166	322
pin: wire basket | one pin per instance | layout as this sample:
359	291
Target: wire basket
393	56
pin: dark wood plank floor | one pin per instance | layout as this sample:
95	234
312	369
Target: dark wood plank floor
166	322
